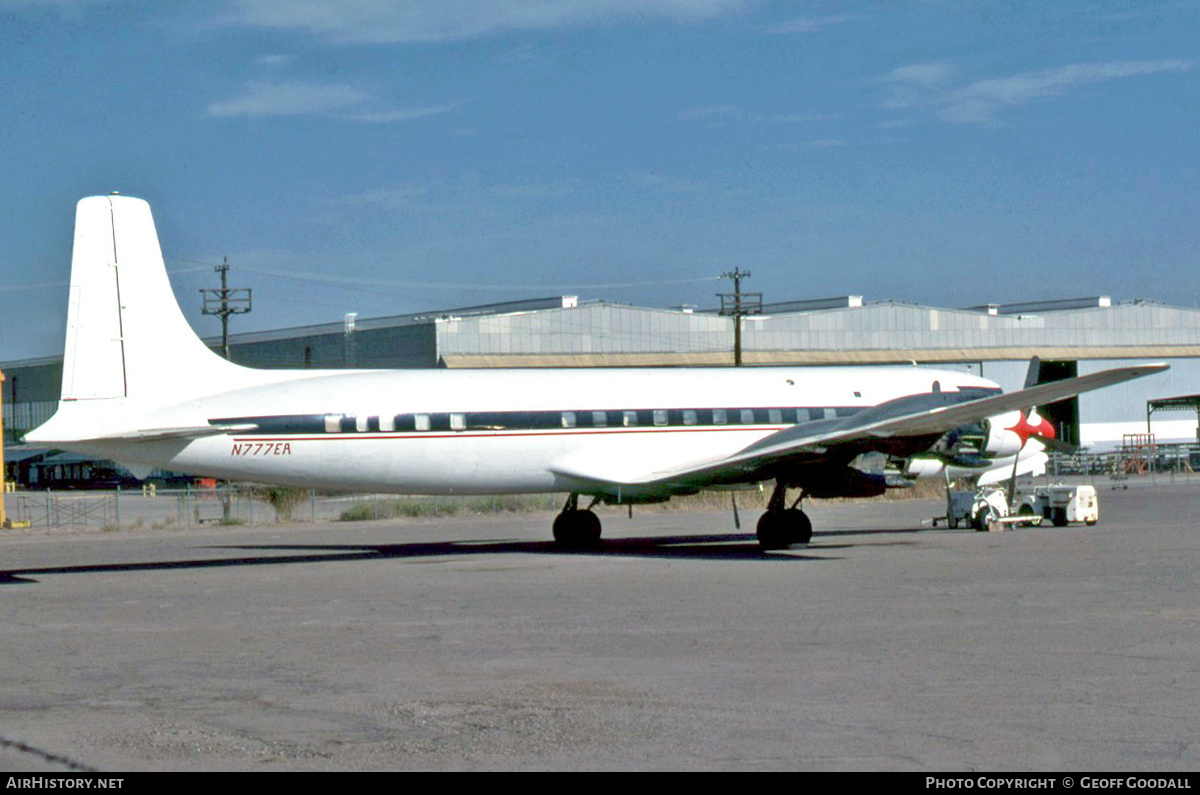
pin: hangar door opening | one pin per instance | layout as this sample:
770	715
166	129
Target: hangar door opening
1063	415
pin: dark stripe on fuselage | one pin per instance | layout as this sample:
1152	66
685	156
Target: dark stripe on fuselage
614	419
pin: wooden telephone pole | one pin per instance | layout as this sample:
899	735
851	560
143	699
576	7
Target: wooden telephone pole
737	305
225	302
3	485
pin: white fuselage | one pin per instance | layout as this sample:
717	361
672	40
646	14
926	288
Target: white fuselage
492	431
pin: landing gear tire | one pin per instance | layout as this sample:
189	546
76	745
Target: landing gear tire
983	519
576	529
780	529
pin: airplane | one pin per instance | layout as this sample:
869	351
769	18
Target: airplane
141	388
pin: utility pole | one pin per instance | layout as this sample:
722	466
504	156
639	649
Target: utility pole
3	489
350	349
737	305
225	302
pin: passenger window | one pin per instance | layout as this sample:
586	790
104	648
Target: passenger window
362	423
660	417
689	417
421	422
458	422
629	418
333	423
387	424
747	416
719	417
599	419
568	419
775	416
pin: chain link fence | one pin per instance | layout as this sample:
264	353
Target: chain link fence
240	504
245	504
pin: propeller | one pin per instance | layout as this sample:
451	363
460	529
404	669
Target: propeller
1043	431
1031	425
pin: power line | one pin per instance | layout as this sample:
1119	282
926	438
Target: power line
376	283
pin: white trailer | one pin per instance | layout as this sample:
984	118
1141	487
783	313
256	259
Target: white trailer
1062	504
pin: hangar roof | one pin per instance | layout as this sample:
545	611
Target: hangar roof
889	331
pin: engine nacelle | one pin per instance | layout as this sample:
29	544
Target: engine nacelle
923	468
1000	436
844	482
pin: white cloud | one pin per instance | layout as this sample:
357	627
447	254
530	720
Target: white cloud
289	99
710	113
307	99
404	114
447	20
60	4
809	24
926	75
275	61
931	87
387	198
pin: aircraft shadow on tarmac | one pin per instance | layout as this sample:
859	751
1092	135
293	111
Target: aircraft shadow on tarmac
731	546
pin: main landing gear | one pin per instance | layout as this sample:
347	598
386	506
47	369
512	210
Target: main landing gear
781	527
575	528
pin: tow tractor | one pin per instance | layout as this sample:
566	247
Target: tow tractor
988	507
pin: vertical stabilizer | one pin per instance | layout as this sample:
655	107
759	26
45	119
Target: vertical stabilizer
94	359
126	336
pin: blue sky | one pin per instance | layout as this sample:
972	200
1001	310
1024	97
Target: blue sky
389	157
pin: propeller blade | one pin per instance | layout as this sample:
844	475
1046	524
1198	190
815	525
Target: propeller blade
1033	373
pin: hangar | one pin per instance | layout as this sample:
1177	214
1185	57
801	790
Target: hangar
1071	337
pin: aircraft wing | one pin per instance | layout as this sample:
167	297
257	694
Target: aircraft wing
862	432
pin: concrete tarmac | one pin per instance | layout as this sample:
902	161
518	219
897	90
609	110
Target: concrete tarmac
471	643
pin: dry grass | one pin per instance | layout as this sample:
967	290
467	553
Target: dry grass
750	499
755	499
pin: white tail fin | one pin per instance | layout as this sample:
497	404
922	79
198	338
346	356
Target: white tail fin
126	336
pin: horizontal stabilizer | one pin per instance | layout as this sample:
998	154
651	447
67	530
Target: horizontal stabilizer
162	434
